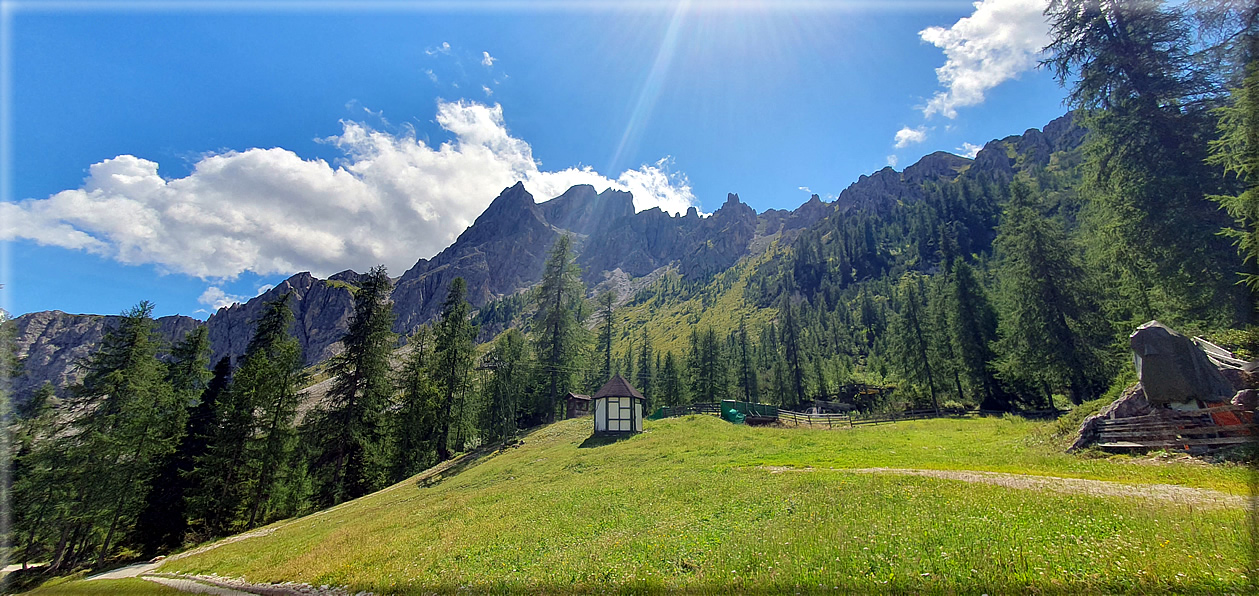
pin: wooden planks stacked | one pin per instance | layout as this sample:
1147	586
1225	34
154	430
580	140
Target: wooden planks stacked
1174	429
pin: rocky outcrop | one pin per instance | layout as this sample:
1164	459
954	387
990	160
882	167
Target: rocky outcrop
882	190
1001	159
321	314
52	344
581	211
501	252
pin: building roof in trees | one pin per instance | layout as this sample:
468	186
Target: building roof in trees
572	395
618	387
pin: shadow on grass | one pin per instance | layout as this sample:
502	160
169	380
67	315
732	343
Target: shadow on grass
599	441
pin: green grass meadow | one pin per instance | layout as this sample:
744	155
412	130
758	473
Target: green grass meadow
699	505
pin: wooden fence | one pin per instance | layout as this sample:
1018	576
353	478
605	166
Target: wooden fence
850	420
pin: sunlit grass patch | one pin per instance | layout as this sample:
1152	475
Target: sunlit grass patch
691	505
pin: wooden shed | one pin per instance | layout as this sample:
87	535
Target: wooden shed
618	408
576	405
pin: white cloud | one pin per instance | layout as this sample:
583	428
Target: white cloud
969	150
442	49
909	136
487	59
432	76
892	160
390	199
487	90
1000	40
805	189
216	298
262	289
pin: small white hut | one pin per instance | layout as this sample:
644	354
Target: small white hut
618	408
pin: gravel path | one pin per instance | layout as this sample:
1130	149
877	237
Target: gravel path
1101	488
187	585
123	572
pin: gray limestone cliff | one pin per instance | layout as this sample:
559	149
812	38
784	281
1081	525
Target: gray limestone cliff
52	344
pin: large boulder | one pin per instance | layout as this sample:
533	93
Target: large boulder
1131	403
1174	370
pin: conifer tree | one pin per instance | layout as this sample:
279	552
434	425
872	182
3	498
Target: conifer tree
557	325
645	374
607	312
249	449
911	344
672	389
163	521
746	364
793	351
356	448
973	327
504	391
1051	334
135	419
1142	94
1236	151
452	364
415	426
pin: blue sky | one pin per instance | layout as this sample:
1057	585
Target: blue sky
192	154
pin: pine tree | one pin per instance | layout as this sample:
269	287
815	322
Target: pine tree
1236	151
1142	96
356	450
246	444
793	351
452	363
645	374
557	325
672	389
746	364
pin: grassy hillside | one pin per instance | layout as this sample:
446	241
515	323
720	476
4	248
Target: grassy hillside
699	504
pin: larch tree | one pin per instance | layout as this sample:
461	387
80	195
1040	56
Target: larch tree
1052	333
557	326
362	388
415	425
163	520
911	341
452	363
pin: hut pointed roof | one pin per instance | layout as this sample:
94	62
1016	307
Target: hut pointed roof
618	387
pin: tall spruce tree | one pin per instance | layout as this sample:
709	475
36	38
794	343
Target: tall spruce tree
645	374
557	326
1236	151
1052	333
252	439
793	351
1143	97
355	454
607	313
672	389
746	363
